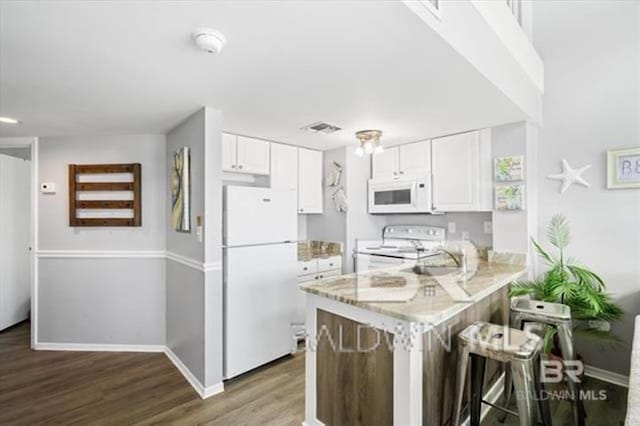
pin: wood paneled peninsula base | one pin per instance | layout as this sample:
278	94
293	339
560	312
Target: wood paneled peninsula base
381	345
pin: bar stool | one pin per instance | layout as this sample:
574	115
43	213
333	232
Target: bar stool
520	350
556	315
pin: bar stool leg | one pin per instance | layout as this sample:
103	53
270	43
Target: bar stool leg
565	339
524	383
477	380
463	361
543	398
514	322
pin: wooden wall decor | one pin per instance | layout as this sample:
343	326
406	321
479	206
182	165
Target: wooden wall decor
76	187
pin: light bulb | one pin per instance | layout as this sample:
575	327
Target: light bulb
368	147
359	151
379	150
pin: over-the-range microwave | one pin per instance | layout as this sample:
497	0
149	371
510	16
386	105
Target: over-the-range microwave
407	195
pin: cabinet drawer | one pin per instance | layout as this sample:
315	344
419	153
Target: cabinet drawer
307	267
327	274
307	278
330	263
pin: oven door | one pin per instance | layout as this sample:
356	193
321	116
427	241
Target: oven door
400	196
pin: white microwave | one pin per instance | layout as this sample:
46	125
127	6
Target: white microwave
409	195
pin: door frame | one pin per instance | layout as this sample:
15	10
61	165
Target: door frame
32	143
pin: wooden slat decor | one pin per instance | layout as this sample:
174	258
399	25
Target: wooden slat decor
76	187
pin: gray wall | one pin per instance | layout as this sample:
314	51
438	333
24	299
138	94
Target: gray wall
101	301
55	154
591	52
194	297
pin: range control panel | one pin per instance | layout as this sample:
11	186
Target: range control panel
413	232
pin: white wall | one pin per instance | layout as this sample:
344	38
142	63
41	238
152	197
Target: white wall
85	298
591	52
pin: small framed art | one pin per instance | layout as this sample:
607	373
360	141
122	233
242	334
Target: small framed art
623	168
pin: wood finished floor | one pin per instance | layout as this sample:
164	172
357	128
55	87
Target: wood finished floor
46	387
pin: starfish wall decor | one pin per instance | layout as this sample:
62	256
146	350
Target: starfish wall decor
569	176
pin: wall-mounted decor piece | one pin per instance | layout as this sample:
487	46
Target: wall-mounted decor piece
509	197
623	168
569	176
509	169
181	190
89	182
340	199
335	175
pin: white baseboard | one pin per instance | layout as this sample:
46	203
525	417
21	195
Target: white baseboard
204	392
96	347
315	422
606	376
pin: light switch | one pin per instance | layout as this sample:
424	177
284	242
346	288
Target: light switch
488	227
48	187
452	227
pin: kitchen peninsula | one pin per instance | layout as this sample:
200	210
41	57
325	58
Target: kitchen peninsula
381	346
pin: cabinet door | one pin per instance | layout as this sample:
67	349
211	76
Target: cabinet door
229	152
253	156
455	172
284	167
309	181
385	164
415	159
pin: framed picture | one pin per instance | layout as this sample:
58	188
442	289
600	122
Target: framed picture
180	190
623	168
509	169
509	197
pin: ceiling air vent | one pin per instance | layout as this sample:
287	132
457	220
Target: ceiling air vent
321	126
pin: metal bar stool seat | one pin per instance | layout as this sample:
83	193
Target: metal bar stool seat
481	341
556	315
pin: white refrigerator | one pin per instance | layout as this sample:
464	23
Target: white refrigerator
260	279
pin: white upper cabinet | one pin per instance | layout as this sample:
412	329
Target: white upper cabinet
245	155
253	156
284	167
413	159
309	181
229	152
462	172
386	164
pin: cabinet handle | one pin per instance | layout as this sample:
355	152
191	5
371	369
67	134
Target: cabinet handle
240	166
301	210
316	277
331	264
233	166
395	173
401	173
305	268
321	276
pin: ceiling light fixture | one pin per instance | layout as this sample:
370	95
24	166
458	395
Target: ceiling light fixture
208	40
9	120
370	142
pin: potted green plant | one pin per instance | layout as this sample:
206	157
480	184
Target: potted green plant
569	283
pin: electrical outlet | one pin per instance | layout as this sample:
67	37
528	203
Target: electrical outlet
465	236
48	187
488	227
451	227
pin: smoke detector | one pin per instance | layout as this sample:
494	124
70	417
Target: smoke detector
208	40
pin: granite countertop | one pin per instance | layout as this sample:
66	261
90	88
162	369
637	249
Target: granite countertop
400	293
313	249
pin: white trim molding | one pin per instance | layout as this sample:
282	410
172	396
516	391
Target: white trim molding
204	392
100	254
606	376
97	347
192	263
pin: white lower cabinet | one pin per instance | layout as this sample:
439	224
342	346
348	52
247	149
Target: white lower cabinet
313	270
461	166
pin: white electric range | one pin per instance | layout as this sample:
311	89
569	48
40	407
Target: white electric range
400	244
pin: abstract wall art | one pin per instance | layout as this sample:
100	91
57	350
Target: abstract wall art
180	190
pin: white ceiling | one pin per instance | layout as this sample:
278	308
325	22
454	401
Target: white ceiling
130	67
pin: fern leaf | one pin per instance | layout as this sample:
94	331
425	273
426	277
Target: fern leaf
558	231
